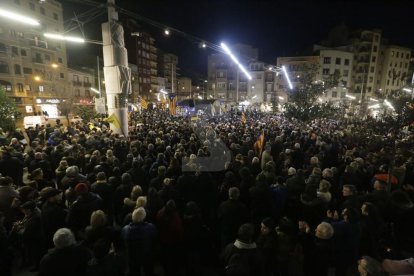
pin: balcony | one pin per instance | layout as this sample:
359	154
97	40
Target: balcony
77	83
37	60
87	84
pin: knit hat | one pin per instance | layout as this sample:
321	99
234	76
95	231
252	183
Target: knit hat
81	188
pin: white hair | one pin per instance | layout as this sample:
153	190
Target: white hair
63	237
139	215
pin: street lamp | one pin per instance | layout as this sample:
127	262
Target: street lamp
18	17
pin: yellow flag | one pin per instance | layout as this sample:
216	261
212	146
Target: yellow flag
243	118
113	120
144	104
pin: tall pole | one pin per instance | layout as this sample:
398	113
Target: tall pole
237	86
116	71
172	77
99	76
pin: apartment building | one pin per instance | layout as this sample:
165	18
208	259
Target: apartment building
81	82
33	69
226	81
366	45
168	69
393	73
335	61
295	67
184	86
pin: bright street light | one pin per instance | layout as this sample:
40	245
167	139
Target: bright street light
374	106
163	91
287	76
200	97
281	98
62	37
19	18
167	32
227	50
389	104
95	90
372	99
351	97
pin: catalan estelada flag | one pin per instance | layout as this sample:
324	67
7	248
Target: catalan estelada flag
144	103
173	105
259	144
243	118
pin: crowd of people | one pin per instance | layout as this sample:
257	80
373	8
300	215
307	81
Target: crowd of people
266	195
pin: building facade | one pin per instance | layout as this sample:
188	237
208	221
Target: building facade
227	82
185	89
335	62
167	69
295	67
33	69
366	45
80	86
393	73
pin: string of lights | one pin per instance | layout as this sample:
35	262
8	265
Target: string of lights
168	30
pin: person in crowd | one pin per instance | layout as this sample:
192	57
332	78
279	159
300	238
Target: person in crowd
98	229
53	214
232	213
67	258
244	249
267	245
318	248
82	208
141	243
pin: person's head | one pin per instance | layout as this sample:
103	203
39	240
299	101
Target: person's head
348	190
324	186
126	179
81	188
314	161
327	173
234	193
101	177
324	231
291	171
72	171
51	194
138	215
267	226
63	237
245	233
141	202
350	215
28	208
136	192
380	185
162	170
98	219
369	209
368	266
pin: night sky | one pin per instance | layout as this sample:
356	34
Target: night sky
276	28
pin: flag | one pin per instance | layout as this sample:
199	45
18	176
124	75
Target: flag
173	104
243	118
259	144
113	120
144	103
